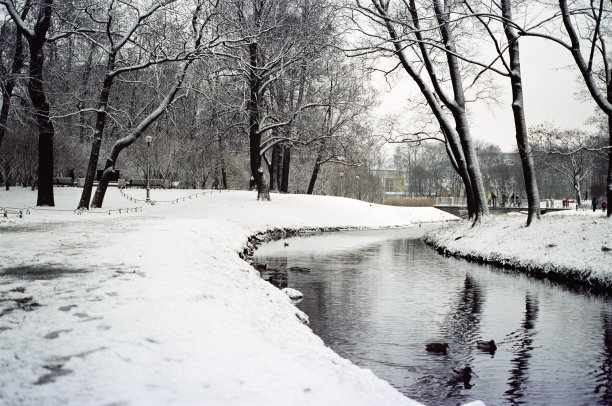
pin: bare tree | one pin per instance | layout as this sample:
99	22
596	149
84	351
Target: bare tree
201	45
586	37
36	38
403	26
571	153
518	109
599	14
345	99
136	133
18	60
512	69
117	34
274	40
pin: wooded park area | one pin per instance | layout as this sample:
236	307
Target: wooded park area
281	91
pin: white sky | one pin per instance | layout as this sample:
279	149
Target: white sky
550	83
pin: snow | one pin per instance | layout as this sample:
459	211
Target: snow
573	244
155	306
293	294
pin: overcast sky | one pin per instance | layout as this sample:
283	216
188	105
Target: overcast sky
550	86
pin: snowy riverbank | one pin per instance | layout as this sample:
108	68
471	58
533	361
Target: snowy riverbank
574	246
155	307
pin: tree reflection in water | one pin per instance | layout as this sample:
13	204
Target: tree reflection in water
605	388
462	328
523	347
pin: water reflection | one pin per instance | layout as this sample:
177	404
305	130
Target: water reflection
605	387
377	298
462	326
522	347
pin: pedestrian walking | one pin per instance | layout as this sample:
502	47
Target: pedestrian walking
595	203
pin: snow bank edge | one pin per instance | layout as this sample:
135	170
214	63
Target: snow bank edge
569	276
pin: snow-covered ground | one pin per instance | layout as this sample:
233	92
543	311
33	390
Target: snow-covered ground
576	245
155	307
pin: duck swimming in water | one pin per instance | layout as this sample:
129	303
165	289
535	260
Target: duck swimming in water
437	347
488	346
463	374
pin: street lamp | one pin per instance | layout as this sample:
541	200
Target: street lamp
358	187
148	139
341	187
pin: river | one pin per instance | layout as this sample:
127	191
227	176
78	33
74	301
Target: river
378	297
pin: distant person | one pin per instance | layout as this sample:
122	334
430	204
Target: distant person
518	201
512	199
494	199
595	203
604	205
252	183
504	200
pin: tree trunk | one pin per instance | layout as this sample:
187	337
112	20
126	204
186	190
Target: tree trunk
313	177
315	170
277	155
85	80
94	155
222	163
462	172
518	109
6	170
18	62
46	131
263	193
272	171
223	174
284	187
432	101
457	107
577	189
609	180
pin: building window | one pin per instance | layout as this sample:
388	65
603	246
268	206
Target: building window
389	186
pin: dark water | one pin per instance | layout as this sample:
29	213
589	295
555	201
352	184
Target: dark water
377	297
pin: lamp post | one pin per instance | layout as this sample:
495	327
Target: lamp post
358	187
341	186
148	139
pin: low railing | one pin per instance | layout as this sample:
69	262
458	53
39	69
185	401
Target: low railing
451	201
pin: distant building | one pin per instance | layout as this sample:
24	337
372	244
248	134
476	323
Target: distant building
392	180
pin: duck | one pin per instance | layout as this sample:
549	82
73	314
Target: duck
286	244
488	346
463	374
437	347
